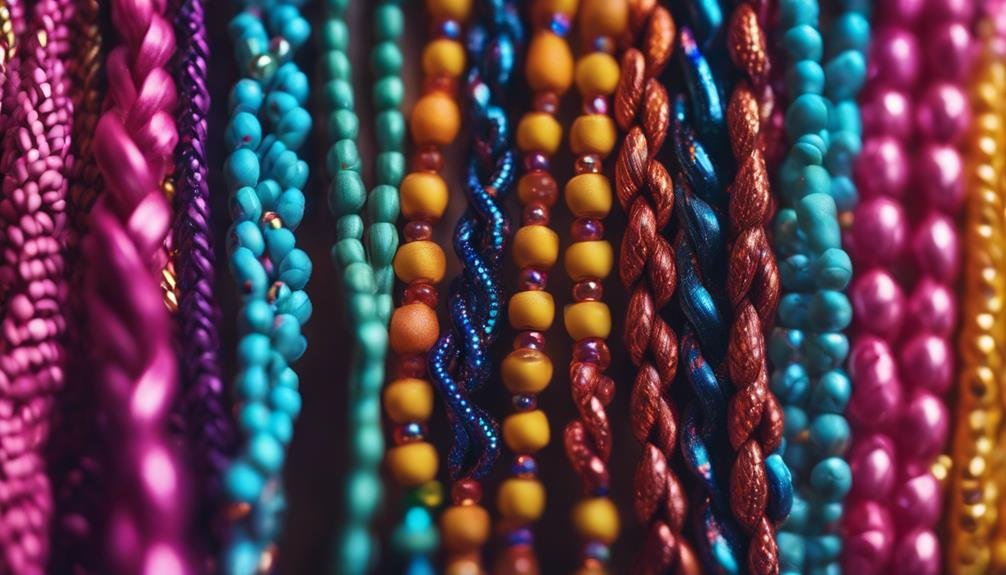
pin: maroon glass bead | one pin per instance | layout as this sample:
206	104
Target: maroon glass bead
428	159
588	164
588	290
547	102
421	291
538	187
535	214
596	105
441	83
466	492
586	229
523	402
418	230
535	161
532	279
411	432
412	365
525	466
529	340
592	350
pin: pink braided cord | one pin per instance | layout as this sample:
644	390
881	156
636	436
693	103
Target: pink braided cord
128	324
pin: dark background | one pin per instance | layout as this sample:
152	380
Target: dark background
317	457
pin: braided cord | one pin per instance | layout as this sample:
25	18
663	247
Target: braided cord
459	362
648	271
32	270
365	267
203	406
264	178
975	509
129	328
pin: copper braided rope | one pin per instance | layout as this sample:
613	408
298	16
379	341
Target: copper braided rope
647	270
755	418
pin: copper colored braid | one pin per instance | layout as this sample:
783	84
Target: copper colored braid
646	267
755	417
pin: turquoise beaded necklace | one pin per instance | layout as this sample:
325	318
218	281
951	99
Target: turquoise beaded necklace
264	175
363	253
809	348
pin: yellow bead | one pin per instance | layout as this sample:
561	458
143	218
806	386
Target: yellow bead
567	7
414	328
436	119
589	260
526	370
592	134
420	260
603	18
587	319
536	246
444	57
423	195
596	519
408	399
589	196
465	528
449	9
464	565
597	74
413	464
526	432
532	310
521	500
549	64
539	132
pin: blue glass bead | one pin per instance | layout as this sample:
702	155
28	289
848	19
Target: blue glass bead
829	310
296	31
706	16
598	551
285	399
831	478
823	549
265	453
248	272
798	516
791	552
817	213
246	96
450	29
243	131
290	79
286	336
245	205
795	421
243	482
780	488
806	77
254	417
290	208
297	304
798	12
282	168
268	192
851	31
294	127
252	384
791	384
295	269
845	75
281	426
297	175
825	351
279	242
829	434
241	169
796	274
808	113
831	392
247	234
278	105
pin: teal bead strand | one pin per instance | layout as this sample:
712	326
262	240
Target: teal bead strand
366	242
264	176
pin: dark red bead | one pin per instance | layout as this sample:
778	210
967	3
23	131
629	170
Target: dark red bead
530	340
466	492
420	291
588	164
535	161
546	102
418	230
538	187
428	159
532	279
588	290
535	214
412	365
586	229
592	350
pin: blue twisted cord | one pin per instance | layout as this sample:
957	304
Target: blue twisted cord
459	362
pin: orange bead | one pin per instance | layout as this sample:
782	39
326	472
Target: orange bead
414	328
436	119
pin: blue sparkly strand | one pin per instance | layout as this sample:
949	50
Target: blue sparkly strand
459	363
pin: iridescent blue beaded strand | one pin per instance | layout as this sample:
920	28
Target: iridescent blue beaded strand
265	177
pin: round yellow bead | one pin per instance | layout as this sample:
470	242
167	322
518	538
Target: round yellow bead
589	196
592	134
526	432
549	64
532	310
589	260
526	370
414	328
413	464
465	528
539	132
423	195
521	500
408	399
436	119
597	74
449	9
536	246
420	260
587	319
603	18
444	57
596	519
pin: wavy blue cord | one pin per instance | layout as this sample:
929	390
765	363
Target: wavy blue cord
459	363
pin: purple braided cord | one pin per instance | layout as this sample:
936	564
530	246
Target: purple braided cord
203	407
33	274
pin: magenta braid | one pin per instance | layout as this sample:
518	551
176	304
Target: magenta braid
129	328
33	275
204	408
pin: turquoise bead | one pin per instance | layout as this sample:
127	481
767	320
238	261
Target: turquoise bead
335	35
265	452
285	399
297	175
791	551
808	113
784	345
343	155
828	514
798	458
386	59
829	569
343	125
254	417
829	310
243	131
339	95
803	43
247	234
817	213
279	242
831	478
787	232
845	75
287	377
389	93
253	385
823	548
829	435
373	337
293	81
795	421
296	31
797	12
831	392
389	22
286	336
795	272
354	547
780	487
791	384
245	205
382	205
390	168
296	304
338	66
360	278
416	534
825	351
844	192
295	269
390	130
349	251
845	117
268	192
363	494
256	316
349	227
346	194
806	77
851	31
798	516
290	208
277	105
245	96
250	276
793	310
242	557
243	482
253	349
382	242
281	427
368	442
842	153
241	169
294	127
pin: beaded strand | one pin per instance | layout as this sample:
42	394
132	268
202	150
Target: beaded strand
809	349
264	176
588	261
365	267
458	362
420	264
975	500
902	361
